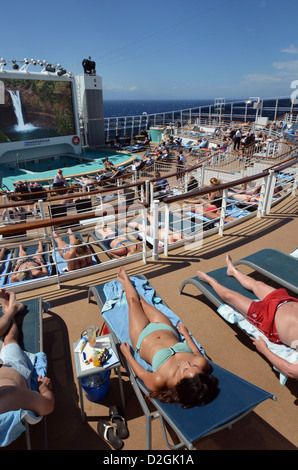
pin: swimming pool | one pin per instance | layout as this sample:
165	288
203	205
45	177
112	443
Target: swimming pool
45	169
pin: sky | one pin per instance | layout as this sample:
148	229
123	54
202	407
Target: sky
162	49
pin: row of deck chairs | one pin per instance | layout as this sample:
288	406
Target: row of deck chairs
50	256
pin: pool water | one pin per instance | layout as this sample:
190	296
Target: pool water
91	161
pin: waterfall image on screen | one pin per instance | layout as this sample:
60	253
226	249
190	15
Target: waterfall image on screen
36	109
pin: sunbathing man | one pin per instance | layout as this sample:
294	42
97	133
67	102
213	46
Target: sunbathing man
73	251
275	314
119	245
173	236
16	369
35	262
181	374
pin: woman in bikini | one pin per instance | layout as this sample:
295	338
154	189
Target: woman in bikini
181	374
75	252
33	263
173	236
119	245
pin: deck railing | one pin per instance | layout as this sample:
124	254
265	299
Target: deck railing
239	111
172	214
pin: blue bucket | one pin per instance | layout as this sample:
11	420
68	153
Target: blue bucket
96	386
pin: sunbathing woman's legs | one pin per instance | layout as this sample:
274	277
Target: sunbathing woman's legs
140	312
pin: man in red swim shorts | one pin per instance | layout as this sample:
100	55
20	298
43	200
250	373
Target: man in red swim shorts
275	314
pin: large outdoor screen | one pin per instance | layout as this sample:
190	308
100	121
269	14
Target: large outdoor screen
35	109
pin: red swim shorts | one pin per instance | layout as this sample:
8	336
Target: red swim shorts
262	313
211	209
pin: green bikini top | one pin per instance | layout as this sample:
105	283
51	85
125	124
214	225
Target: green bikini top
164	354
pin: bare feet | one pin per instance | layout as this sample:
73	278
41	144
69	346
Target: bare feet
231	268
204	277
123	277
10	305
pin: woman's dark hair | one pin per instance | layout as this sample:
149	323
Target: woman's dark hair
196	391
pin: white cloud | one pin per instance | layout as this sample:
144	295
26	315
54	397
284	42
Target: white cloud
120	88
287	65
258	77
291	49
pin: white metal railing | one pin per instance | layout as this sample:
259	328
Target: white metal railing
238	111
172	215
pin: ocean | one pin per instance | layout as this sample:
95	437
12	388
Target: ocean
117	108
114	108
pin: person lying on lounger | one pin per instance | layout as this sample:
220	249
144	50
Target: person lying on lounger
14	378
119	245
173	236
250	193
35	263
275	314
210	207
181	374
73	250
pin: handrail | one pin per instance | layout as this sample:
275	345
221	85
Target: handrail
71	195
200	192
36	224
210	189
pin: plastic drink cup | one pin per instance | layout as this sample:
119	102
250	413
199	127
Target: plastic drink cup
91	335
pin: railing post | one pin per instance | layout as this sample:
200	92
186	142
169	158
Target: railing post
269	191
167	226
155	230
144	224
42	214
223	212
295	184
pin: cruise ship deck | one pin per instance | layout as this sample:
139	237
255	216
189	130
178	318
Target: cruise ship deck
271	426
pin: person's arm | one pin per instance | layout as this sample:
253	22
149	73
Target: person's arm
201	361
152	380
41	403
291	370
189	341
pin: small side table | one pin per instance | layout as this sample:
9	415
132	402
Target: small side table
83	370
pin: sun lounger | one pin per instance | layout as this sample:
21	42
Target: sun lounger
232	316
14	423
275	265
236	398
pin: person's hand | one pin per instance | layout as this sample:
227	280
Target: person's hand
44	382
260	344
182	328
9	303
125	349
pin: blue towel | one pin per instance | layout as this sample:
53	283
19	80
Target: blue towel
115	311
11	425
